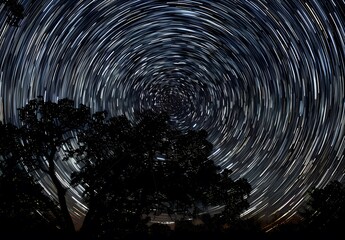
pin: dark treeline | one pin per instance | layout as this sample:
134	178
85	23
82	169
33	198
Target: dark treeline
132	171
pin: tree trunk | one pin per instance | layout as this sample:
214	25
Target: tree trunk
61	192
87	223
90	221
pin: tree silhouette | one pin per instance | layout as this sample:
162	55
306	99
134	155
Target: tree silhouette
23	206
131	171
48	128
136	170
325	209
15	12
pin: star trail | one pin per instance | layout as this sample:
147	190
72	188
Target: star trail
264	78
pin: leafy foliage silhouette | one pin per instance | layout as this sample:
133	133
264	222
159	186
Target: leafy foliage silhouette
325	209
15	12
133	171
23	206
47	128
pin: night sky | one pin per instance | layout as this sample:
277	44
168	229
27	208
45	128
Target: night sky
264	78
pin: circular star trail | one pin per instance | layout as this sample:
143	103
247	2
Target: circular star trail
264	78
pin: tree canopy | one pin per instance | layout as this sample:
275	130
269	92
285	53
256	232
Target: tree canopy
15	11
47	128
136	170
131	170
23	205
325	209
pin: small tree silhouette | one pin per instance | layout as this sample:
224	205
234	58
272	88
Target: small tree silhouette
325	209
